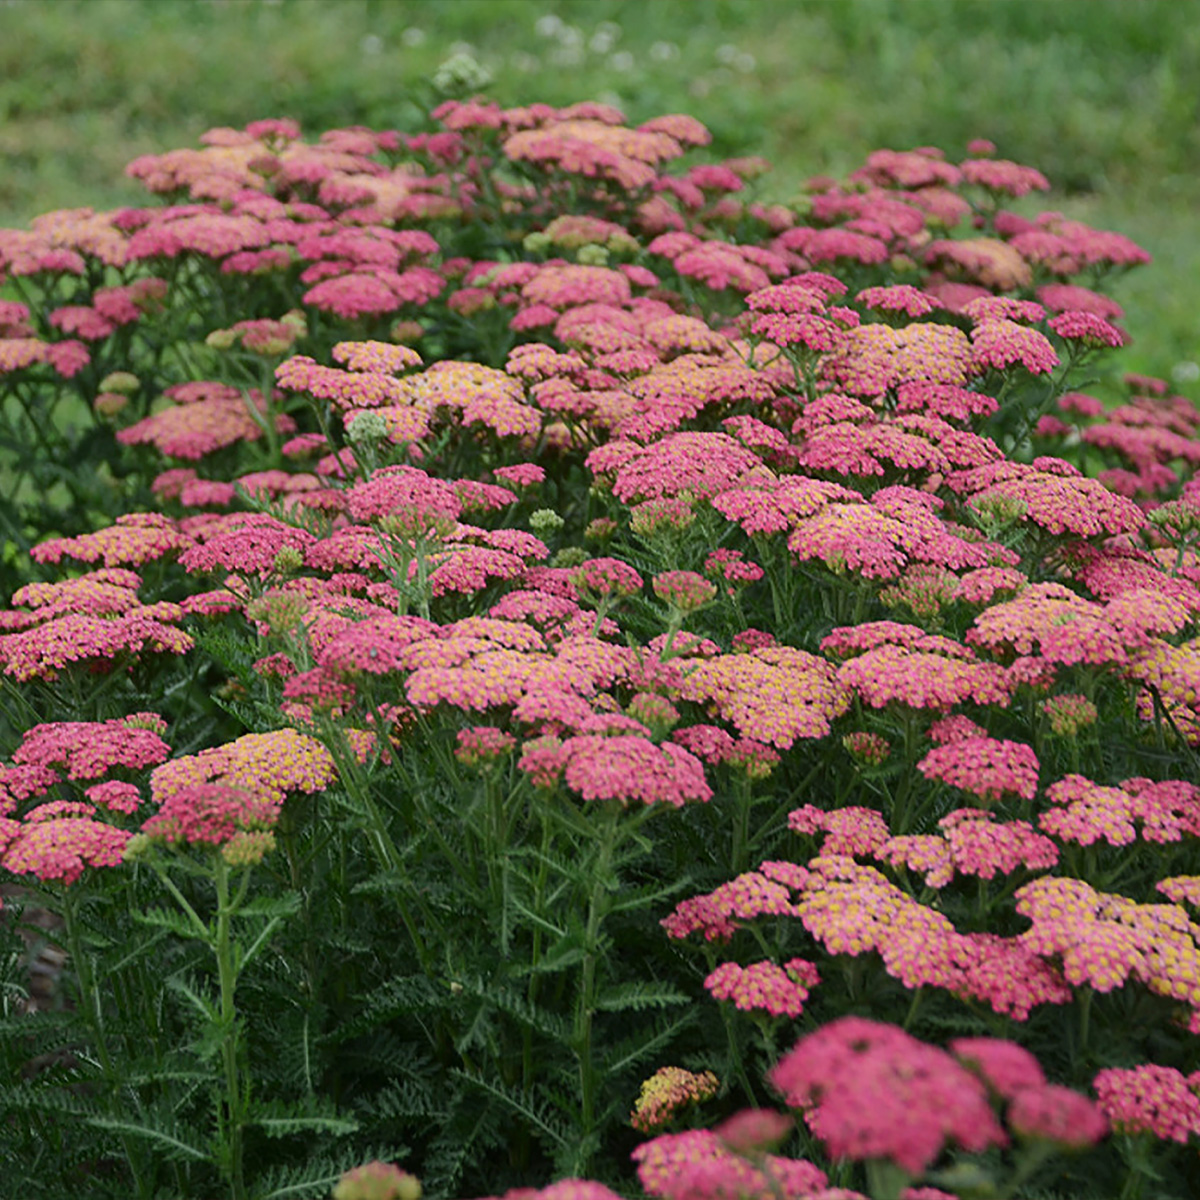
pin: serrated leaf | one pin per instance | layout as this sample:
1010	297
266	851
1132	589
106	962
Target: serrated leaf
648	897
566	952
284	1120
407	1100
645	1043
639	996
207	1009
537	1113
400	997
169	919
267	906
513	1004
316	1178
174	1145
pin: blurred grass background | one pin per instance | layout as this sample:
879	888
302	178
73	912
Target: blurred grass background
1102	95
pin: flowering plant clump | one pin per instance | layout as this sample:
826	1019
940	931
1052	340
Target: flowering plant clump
601	627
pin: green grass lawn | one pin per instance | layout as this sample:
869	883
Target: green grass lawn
1101	95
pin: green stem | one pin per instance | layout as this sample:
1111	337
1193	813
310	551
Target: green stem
234	1105
885	1180
380	840
94	1016
598	903
1030	1160
1085	1015
535	957
740	854
914	1005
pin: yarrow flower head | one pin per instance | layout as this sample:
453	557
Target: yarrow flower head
867	748
482	745
1056	1114
268	766
1069	715
89	749
698	1164
1152	1099
683	590
779	991
921	1098
59	844
668	1092
599	578
377	1181
210	815
986	767
626	768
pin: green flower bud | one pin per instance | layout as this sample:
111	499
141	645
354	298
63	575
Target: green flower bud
367	427
569	556
377	1181
108	404
536	242
592	255
288	560
137	847
601	529
221	339
125	382
545	521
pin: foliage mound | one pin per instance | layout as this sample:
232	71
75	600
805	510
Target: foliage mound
530	662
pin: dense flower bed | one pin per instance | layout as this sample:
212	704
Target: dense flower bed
532	663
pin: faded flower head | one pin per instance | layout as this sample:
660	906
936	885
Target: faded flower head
667	1092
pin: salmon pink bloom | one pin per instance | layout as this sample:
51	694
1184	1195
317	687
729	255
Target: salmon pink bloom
921	1099
1152	1099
